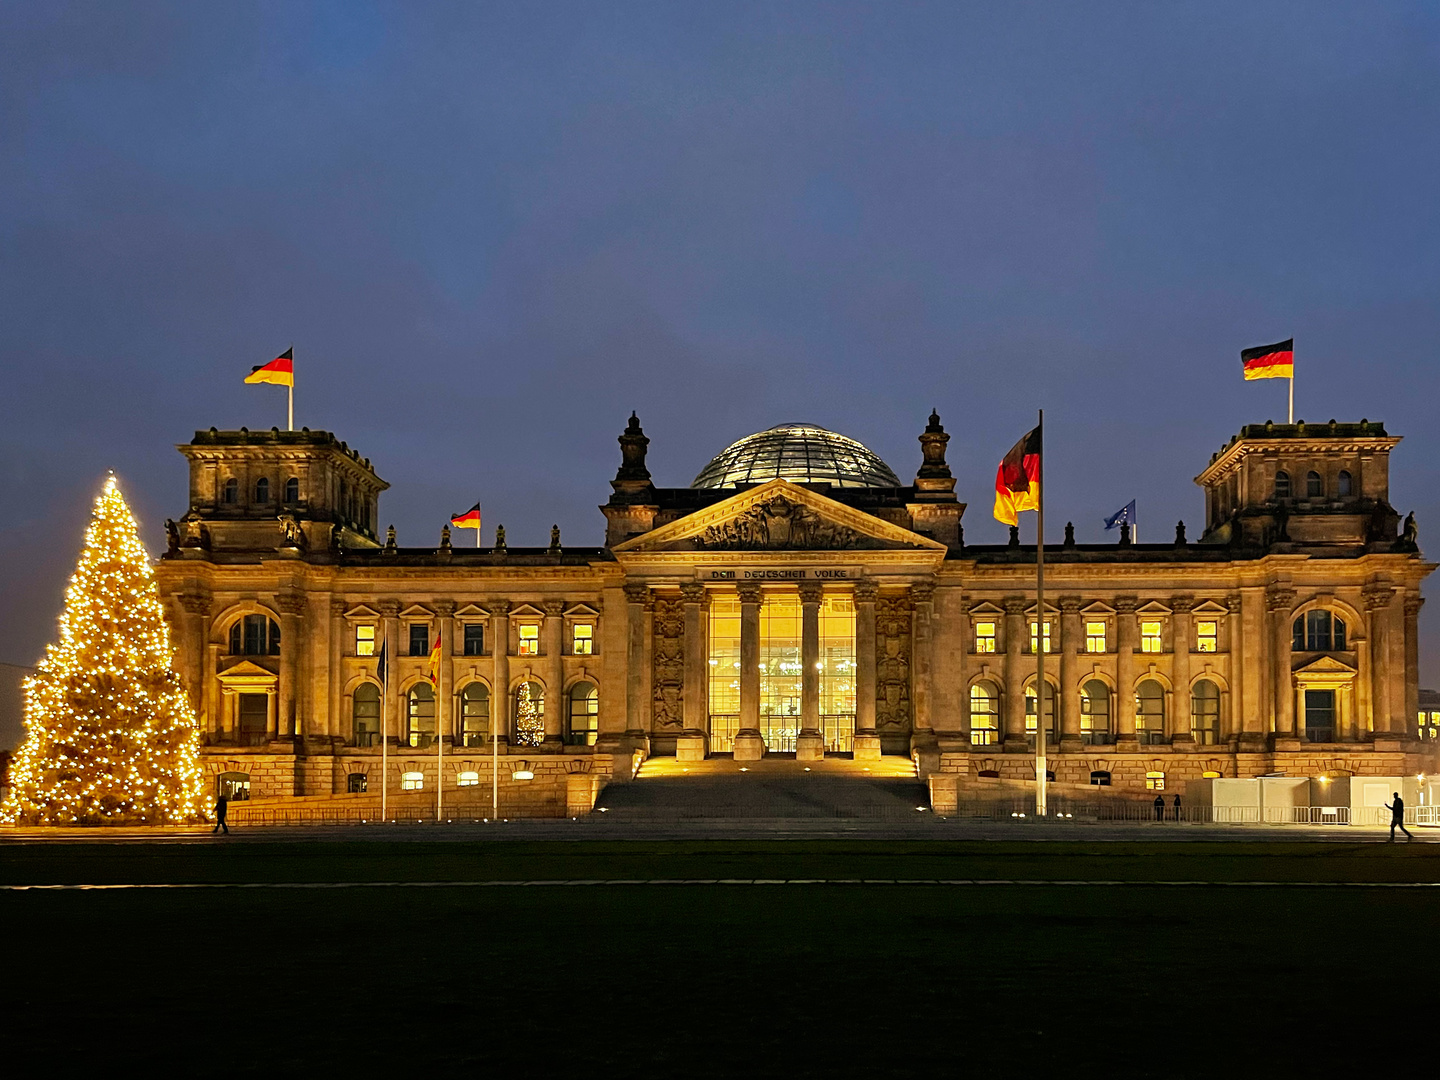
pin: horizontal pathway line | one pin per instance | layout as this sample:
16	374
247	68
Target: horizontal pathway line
966	882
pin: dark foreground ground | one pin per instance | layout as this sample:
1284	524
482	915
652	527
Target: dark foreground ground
820	974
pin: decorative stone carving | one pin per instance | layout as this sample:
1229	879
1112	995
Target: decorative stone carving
499	539
1234	604
444	537
553	609
500	608
749	592
811	592
290	603
390	539
694	593
172	536
193	533
1126	605
389	608
1070	605
668	668
922	592
444	608
1279	599
338	609
1014	605
866	592
290	534
1181	605
778	524
554	548
1413	604
892	662
194	603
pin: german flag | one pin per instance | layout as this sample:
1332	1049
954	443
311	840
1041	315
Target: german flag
470	519
433	674
1269	361
1017	481
280	371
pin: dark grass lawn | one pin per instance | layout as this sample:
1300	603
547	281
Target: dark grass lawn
823	980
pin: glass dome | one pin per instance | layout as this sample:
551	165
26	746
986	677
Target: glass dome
804	453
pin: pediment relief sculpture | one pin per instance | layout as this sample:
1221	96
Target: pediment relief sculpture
778	523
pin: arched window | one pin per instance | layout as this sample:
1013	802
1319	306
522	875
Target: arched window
231	492
984	714
420	716
1205	712
584	715
262	490
1095	713
1282	484
475	714
292	490
1318	631
255	635
1049	713
1314	486
365	714
235	786
1344	485
529	714
1150	712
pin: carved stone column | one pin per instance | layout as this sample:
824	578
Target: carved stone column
810	743
390	716
637	667
445	682
1071	640
1413	603
1278	605
553	642
922	595
1015	741
1181	732
335	721
1248	649
694	742
192	636
749	743
289	722
867	740
500	671
1377	618
1125	673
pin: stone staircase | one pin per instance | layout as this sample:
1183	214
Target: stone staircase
777	787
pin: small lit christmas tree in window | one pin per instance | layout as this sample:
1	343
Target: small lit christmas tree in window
529	725
110	737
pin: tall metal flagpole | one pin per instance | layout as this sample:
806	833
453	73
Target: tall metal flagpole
439	758
1291	415
384	740
494	760
290	396
1040	631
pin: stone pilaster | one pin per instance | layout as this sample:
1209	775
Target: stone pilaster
1181	730
810	743
390	714
1014	719
500	671
1378	601
445	679
336	723
693	741
1125	673
1071	642
749	743
922	596
1279	602
289	722
1413	603
553	643
193	633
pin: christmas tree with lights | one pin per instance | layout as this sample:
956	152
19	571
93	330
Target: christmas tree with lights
110	737
529	727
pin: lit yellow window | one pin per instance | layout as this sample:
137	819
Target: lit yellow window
1095	637
529	640
1047	636
984	637
1149	637
468	779
582	640
412	781
1206	634
1155	781
365	641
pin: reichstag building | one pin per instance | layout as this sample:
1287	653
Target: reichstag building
798	598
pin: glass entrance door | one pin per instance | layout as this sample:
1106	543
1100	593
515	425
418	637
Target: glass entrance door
780	671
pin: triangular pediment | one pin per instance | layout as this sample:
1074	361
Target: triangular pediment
1210	608
417	611
1154	607
526	611
471	611
247	672
362	612
779	516
985	607
581	611
1097	609
1326	665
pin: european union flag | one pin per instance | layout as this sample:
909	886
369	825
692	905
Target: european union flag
1124	516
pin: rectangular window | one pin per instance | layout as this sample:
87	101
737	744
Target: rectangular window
1047	636
837	673
474	639
419	639
1320	715
582	639
1095	637
780	672
724	696
254	716
357	783
412	781
1206	636
1155	781
1150	637
365	640
529	639
984	637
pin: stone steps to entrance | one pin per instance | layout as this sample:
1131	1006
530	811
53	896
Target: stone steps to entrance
776	787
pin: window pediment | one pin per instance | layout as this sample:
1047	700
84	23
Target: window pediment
526	611
471	611
1154	607
985	609
1210	609
581	611
362	613
417	611
1097	609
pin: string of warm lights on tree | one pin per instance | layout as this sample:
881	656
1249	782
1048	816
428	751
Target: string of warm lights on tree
110	736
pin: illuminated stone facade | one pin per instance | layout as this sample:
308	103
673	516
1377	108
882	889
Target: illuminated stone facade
794	614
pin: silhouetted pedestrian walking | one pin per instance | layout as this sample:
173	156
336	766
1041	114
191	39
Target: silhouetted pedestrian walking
1397	817
1159	807
222	807
1177	807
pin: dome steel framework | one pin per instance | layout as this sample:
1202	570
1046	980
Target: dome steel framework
803	453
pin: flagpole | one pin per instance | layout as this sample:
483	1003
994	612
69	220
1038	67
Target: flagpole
1291	416
1040	808
384	741
440	753
290	396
